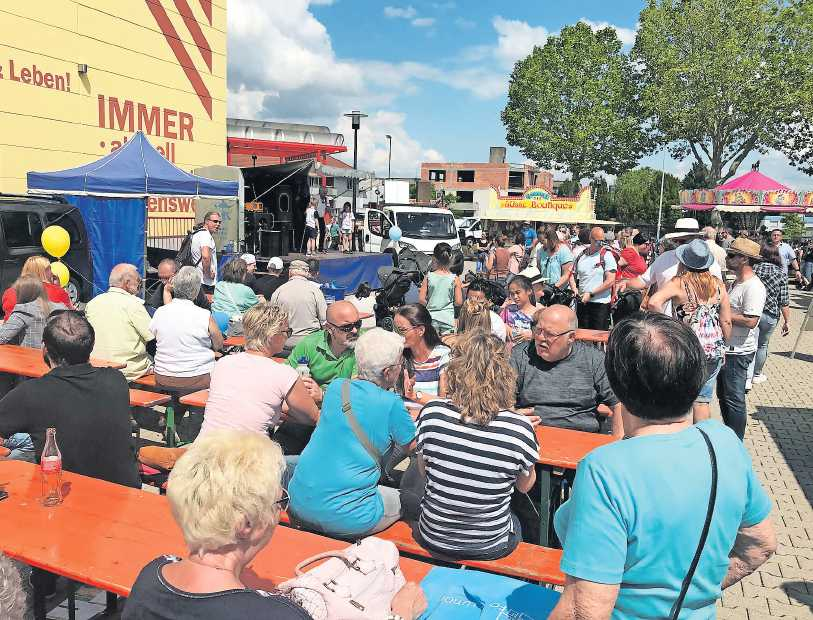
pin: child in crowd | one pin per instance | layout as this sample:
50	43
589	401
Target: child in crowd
441	291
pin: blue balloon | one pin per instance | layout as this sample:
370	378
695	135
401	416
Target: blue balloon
395	233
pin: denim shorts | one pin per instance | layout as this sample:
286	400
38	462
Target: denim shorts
712	370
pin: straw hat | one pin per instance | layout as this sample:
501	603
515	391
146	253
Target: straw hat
684	227
745	247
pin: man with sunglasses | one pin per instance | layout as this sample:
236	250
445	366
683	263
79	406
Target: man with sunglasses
330	355
204	251
560	381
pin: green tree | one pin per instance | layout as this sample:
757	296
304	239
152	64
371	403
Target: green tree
723	78
636	197
573	105
793	225
568	187
697	177
605	208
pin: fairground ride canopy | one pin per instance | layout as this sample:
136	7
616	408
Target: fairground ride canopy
752	192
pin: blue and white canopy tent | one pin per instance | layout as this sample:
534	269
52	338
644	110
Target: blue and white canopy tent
111	195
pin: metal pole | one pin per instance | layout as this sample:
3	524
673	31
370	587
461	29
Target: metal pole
389	159
660	202
355	183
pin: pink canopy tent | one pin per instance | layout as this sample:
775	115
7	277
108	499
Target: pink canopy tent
752	192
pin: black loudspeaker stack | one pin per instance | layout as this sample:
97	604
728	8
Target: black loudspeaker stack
268	232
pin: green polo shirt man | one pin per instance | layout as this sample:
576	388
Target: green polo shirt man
330	356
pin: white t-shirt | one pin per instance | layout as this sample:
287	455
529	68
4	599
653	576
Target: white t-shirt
746	298
347	222
787	254
310	217
246	393
203	239
183	344
664	269
497	326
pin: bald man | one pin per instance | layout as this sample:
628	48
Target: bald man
561	380
329	354
121	323
594	271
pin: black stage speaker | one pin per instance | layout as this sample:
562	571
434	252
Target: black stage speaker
254	224
282	203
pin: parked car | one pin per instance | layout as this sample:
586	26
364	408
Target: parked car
471	231
22	220
422	228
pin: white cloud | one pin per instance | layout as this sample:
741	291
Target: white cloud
396	12
626	35
282	67
423	22
407	153
516	39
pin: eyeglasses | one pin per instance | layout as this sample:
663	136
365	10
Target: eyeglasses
283	501
538	331
347	327
403	332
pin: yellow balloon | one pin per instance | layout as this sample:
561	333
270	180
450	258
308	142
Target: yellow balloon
56	241
59	269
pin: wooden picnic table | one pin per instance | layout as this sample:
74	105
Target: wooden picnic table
598	336
235	341
196	399
28	362
560	451
103	534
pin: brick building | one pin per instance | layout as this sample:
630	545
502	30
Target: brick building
469	181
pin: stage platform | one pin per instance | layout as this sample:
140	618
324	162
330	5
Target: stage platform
346	270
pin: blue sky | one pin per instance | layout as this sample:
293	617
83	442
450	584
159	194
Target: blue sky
432	73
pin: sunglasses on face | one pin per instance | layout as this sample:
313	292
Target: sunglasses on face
348	327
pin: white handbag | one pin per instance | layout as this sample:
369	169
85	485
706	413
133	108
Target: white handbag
356	583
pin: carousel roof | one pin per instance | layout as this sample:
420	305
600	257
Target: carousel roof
751	192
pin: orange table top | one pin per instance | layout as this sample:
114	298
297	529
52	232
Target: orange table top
103	533
592	335
196	399
28	362
560	447
235	341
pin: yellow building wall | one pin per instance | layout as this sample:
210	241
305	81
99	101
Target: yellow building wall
52	117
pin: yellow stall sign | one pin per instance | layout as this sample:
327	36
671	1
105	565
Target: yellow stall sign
537	205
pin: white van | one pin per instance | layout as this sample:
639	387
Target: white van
422	228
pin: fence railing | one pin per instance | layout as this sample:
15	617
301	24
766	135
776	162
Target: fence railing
167	233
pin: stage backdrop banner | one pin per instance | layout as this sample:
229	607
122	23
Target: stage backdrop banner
115	228
349	272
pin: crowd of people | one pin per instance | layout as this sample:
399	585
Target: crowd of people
435	421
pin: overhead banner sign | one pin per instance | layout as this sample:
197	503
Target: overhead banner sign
537	205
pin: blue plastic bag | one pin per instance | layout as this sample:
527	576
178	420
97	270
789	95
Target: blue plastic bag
454	594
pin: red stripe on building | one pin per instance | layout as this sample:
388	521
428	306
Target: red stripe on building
177	47
206	5
194	29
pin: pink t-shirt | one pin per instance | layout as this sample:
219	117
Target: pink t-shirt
246	393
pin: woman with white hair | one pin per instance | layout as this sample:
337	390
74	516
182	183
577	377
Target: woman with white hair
186	336
334	489
248	389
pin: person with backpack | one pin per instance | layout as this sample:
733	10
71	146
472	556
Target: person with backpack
595	276
699	300
202	251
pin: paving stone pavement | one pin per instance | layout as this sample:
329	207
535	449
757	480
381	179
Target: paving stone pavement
780	426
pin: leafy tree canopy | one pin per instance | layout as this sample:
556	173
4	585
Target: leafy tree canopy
697	177
793	225
722	78
636	197
573	105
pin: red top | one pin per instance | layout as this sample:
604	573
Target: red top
55	293
636	265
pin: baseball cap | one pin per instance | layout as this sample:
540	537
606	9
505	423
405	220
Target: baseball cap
249	258
299	265
275	263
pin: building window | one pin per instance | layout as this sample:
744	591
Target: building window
328	181
516	180
437	175
465	196
465	176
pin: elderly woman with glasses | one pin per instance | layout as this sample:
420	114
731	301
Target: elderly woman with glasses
249	390
334	489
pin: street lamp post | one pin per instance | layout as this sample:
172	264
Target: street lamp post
355	116
389	157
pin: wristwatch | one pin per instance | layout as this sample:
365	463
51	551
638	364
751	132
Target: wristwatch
418	396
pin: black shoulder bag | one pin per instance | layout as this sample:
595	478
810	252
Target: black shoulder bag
710	512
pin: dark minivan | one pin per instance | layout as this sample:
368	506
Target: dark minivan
22	220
